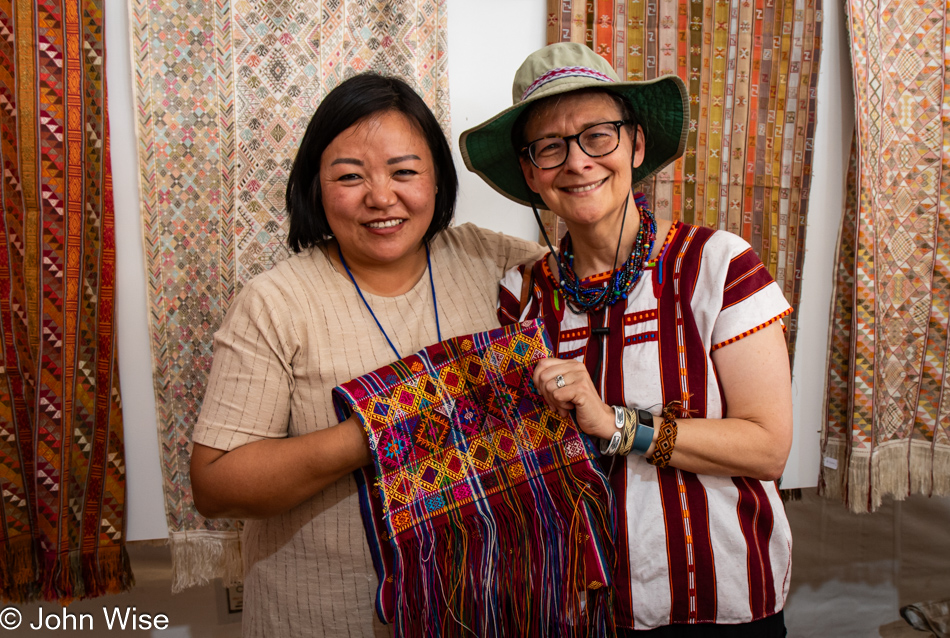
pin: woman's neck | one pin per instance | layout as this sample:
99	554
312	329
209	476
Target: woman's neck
595	245
390	279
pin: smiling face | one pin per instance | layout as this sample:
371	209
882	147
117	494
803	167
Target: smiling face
378	185
584	191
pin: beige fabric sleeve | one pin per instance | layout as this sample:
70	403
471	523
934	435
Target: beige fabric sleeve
506	250
251	380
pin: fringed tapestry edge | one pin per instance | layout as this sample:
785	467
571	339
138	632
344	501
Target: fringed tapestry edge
790	495
106	571
18	570
897	469
201	556
62	578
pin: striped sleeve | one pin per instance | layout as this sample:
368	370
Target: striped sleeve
249	388
745	277
751	300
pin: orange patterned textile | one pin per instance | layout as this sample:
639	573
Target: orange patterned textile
752	69
62	468
887	431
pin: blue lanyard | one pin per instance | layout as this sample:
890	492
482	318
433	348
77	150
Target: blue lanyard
438	330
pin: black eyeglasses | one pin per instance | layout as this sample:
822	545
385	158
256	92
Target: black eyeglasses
596	141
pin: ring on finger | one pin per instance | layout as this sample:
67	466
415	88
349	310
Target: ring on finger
559	381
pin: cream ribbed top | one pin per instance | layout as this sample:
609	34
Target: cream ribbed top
292	335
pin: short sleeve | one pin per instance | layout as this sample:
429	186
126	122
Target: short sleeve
251	381
751	299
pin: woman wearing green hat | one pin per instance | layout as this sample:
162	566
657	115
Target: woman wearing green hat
669	346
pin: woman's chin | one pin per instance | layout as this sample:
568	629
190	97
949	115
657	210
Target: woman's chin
578	218
390	249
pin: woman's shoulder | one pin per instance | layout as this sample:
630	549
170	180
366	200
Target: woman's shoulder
480	243
710	244
282	282
472	234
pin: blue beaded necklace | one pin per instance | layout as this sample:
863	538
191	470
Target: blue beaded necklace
581	298
438	330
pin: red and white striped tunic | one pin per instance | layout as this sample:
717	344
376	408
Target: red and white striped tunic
699	548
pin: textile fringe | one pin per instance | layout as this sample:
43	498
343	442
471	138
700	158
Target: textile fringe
447	576
200	556
109	571
791	495
64	578
895	469
18	571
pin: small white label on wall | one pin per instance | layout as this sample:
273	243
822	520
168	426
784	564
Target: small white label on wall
235	598
831	463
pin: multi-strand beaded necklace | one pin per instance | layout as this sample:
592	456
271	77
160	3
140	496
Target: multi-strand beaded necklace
581	298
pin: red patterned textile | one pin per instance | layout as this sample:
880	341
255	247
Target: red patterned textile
62	467
484	509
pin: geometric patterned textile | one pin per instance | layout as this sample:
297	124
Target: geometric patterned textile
62	467
751	67
479	489
887	431
224	93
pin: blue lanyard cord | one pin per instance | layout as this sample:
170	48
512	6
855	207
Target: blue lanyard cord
438	330
435	304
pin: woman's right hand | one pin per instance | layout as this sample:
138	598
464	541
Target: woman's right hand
577	393
270	476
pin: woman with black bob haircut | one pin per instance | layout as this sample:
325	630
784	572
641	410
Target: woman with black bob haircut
377	274
360	97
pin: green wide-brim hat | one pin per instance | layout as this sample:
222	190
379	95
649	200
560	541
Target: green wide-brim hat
661	106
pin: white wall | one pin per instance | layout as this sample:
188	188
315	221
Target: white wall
480	73
835	124
487	42
146	512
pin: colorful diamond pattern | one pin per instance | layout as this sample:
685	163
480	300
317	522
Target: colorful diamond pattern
444	428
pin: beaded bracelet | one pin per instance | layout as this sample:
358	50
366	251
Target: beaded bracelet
666	438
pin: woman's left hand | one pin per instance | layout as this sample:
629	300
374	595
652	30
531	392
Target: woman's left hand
577	392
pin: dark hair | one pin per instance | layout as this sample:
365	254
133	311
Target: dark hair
355	99
517	129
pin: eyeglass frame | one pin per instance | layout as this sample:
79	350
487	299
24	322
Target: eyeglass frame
526	149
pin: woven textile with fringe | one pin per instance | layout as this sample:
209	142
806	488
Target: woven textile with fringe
483	508
224	92
752	71
62	469
888	403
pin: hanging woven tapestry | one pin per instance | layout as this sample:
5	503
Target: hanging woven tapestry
224	93
62	469
888	402
752	71
483	508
